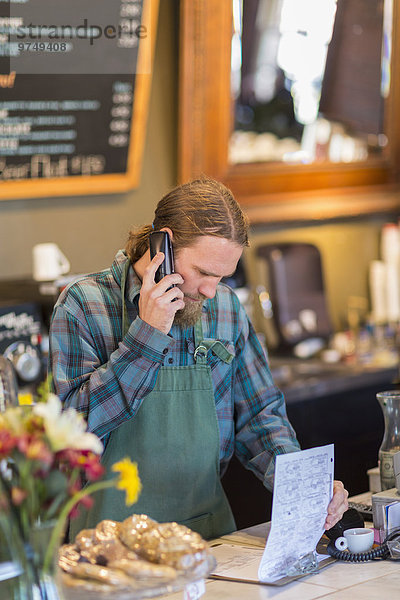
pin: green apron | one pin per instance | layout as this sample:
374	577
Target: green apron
174	438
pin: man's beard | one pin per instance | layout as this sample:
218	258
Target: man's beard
190	314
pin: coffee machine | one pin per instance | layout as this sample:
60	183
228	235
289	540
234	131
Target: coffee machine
21	329
295	312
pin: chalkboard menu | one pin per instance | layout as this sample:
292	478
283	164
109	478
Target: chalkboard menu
74	88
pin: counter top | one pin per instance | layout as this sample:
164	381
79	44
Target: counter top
373	580
344	581
307	379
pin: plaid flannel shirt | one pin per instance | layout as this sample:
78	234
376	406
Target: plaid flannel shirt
106	376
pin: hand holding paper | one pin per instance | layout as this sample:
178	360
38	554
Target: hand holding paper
303	488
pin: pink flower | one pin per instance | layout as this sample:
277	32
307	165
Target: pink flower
8	442
70	457
23	442
93	468
87	461
37	450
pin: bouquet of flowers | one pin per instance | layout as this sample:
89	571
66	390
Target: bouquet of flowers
45	453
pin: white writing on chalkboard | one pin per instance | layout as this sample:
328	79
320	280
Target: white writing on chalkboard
72	104
42	165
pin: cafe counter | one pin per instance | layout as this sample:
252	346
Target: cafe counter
339	581
373	580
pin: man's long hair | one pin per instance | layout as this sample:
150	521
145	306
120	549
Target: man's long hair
197	208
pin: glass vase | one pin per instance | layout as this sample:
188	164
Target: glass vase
43	581
14	573
24	574
390	405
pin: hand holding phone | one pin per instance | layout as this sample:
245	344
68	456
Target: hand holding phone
159	300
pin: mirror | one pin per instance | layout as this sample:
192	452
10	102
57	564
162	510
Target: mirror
308	80
324	187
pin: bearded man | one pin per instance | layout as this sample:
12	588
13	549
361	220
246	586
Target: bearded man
172	373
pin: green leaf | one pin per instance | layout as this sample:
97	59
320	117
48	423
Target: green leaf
55	506
44	389
56	482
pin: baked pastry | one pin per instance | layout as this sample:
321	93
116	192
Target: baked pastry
68	556
86	585
85	539
142	569
132	529
106	530
112	577
174	545
107	551
137	554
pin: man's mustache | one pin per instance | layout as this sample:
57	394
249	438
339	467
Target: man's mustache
198	297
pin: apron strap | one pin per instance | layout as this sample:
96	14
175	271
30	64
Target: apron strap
201	350
203	347
125	320
222	352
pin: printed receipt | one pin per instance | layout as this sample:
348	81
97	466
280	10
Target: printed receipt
303	488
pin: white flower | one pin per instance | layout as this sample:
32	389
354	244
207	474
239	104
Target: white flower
66	429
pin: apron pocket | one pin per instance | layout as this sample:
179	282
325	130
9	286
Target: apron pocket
201	524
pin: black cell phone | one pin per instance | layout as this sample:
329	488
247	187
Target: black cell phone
161	242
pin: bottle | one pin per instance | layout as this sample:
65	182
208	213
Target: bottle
8	384
390	405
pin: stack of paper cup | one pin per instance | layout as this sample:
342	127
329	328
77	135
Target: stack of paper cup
390	250
393	292
390	243
377	284
384	277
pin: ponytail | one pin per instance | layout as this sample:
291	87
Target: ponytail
138	242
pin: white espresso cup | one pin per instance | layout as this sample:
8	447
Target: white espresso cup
48	262
359	539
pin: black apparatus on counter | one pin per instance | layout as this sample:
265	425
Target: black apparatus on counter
350	520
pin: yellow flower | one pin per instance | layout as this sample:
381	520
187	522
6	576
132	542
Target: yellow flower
128	479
